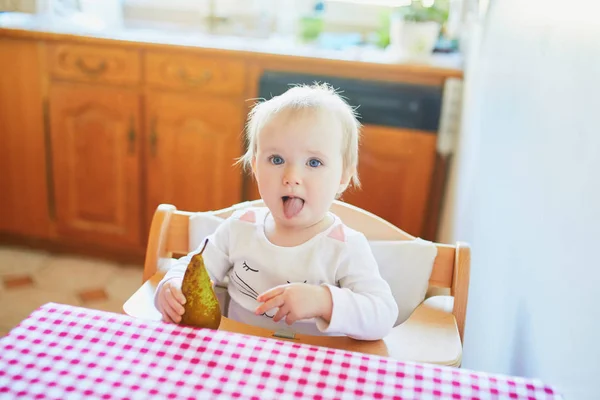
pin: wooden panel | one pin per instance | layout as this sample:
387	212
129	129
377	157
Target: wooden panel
443	267
395	169
94	63
192	145
436	196
23	186
251	188
460	285
95	134
184	71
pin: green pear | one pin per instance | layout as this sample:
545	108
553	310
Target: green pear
202	306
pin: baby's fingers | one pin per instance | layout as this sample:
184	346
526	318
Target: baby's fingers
170	314
176	290
166	317
173	302
276	302
163	307
168	310
281	313
269	294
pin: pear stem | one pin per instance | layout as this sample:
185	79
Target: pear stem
203	247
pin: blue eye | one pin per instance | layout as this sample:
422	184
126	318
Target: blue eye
276	160
314	163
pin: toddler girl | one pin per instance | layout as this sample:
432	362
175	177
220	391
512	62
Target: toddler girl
293	261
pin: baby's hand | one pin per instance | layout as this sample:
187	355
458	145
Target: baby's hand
297	301
170	301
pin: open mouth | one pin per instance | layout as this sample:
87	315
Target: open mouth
292	206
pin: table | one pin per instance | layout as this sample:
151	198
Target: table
62	351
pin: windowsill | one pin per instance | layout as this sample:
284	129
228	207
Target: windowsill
152	32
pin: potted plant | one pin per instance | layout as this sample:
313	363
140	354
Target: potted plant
415	28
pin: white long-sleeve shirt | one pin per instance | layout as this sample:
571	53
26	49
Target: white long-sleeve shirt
339	257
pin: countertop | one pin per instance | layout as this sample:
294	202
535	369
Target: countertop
42	27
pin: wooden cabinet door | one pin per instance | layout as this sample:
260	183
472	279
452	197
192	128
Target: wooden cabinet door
25	207
395	169
95	146
192	145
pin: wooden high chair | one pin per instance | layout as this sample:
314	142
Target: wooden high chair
432	334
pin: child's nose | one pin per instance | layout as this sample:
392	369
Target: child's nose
292	176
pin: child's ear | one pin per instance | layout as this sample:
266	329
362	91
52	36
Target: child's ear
345	181
253	166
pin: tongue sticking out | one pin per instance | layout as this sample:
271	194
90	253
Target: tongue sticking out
292	206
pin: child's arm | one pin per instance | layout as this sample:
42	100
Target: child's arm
363	304
168	297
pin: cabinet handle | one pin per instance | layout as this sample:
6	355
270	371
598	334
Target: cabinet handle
153	137
131	136
205	77
97	70
51	202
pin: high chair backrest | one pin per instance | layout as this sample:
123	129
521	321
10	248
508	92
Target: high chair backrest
169	236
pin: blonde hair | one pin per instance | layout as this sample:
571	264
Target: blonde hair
307	97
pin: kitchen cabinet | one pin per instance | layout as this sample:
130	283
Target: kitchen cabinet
395	169
107	65
25	200
214	75
191	145
95	135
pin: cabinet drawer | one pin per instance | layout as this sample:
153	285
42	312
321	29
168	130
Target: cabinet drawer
94	63
182	71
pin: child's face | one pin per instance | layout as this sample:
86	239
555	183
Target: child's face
299	166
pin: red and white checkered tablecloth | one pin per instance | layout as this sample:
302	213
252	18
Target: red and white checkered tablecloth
67	352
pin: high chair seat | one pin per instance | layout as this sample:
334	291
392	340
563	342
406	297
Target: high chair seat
431	334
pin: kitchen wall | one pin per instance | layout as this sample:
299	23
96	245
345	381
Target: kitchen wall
527	194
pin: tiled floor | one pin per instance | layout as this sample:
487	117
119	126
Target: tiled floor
30	278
